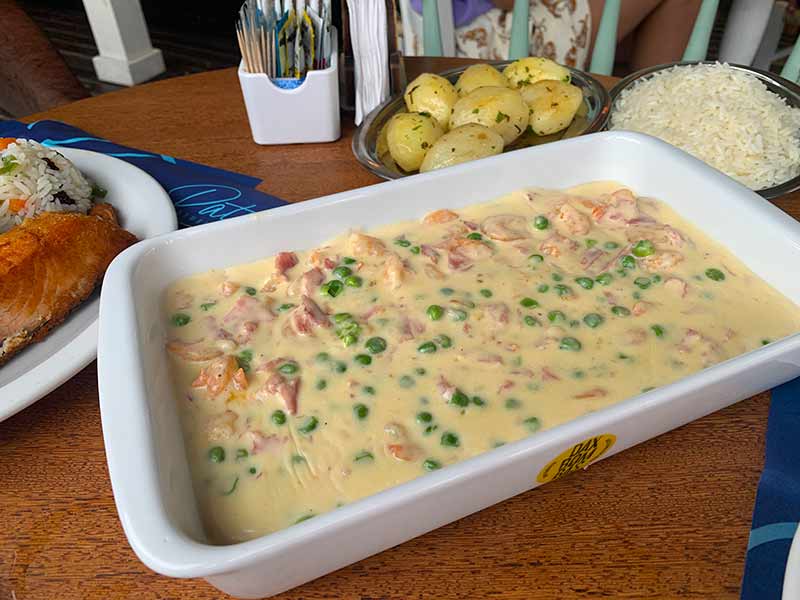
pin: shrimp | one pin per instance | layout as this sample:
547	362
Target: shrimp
366	245
505	228
197	351
221	427
557	244
439	216
398	443
661	261
219	374
572	220
676	286
229	288
394	271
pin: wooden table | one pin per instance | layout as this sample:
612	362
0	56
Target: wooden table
666	519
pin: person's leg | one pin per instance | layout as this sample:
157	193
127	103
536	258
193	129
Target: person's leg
664	33
631	14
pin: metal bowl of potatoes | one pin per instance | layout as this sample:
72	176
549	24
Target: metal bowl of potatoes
489	107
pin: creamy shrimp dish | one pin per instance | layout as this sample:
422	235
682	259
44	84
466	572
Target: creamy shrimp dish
314	378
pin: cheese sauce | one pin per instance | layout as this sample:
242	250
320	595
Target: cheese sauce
312	379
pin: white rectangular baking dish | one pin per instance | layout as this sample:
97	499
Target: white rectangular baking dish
146	458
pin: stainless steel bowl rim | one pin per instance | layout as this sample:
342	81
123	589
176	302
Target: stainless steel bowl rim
784	88
371	163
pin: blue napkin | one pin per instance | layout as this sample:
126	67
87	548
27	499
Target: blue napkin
777	510
201	194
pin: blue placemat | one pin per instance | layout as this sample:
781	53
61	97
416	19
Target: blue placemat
201	194
777	510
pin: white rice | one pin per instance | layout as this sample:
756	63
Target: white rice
44	188
723	116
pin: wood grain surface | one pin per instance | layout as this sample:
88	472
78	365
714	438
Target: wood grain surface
666	519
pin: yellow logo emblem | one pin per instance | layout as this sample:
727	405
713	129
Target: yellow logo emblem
579	456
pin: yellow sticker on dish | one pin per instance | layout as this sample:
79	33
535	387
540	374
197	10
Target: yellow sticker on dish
579	456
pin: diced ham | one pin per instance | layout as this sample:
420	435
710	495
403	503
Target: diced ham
307	283
219	374
329	263
439	216
430	252
590	257
244	333
445	388
641	308
524	373
221	427
592	393
183	300
307	316
228	288
198	351
548	375
463	252
505	385
247	308
612	298
499	313
676	286
286	389
505	228
259	442
557	244
574	222
434	273
375	309
489	358
273	364
284	261
471	225
410	328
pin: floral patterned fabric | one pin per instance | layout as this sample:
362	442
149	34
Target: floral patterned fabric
560	31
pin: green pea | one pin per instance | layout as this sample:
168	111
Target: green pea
715	275
368	390
180	319
478	401
486	293
570	343
309	426
574	323
250	291
339	366
342	272
278	417
403	243
643	248
610	245
541	222
243	359
349	260
557	277
216	454
475	236
456	314
363	455
765	342
241	453
375	345
658	330
303	518
556	315
426	348
590	243
323	357
424	417
562	290
637	295
363	359
459	398
530	321
349	339
420	371
529	303
361	411
342	317
536	258
332	288
415	249
543	288
450	440
444	341
297	459
285	307
206	306
620	311
447	291
585	282
642	282
252	470
593	320
321	384
354	281
512	403
628	262
289	368
406	382
604	278
533	424
430	464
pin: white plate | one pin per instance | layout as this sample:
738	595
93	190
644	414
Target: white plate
144	209
141	428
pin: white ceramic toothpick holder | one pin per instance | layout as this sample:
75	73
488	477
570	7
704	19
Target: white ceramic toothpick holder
308	113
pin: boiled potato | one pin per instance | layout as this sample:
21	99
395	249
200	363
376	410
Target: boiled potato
431	94
534	68
553	105
500	109
462	144
409	136
478	76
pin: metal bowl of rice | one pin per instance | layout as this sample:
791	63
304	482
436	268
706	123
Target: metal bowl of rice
728	120
36	179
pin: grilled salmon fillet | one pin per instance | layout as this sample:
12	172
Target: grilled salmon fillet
49	265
